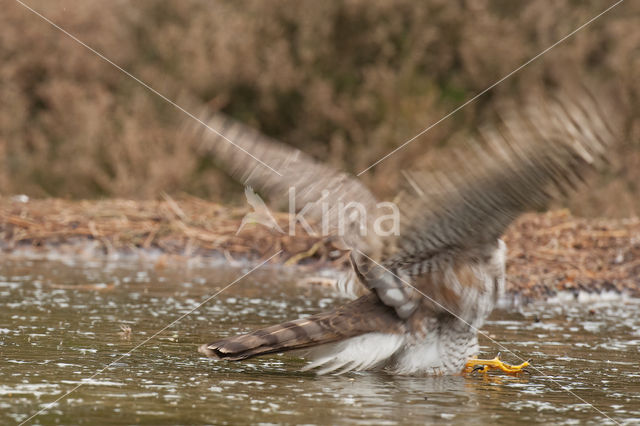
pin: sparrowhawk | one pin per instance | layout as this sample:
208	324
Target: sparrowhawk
425	290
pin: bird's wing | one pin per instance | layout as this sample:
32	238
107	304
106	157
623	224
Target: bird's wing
456	216
319	190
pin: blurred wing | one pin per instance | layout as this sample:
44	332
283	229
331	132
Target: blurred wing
528	159
452	220
318	189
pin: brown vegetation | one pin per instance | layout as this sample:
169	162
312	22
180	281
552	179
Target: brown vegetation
556	251
547	253
344	81
190	228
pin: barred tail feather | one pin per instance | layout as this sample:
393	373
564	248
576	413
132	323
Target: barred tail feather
292	335
361	316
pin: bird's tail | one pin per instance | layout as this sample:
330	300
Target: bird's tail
361	316
299	334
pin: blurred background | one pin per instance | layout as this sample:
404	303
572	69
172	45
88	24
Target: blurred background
346	81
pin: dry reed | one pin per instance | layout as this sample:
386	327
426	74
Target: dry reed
547	252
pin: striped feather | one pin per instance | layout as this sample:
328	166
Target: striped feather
457	215
361	316
319	189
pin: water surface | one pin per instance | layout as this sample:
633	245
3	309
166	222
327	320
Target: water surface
60	324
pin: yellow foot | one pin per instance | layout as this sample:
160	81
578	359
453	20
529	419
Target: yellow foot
484	365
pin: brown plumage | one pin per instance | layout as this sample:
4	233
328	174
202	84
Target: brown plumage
363	315
428	288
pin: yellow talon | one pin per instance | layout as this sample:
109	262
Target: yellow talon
484	365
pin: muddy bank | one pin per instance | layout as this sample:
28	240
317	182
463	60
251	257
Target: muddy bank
548	252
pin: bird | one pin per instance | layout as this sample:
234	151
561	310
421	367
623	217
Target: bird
422	293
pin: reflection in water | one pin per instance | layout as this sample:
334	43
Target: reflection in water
60	324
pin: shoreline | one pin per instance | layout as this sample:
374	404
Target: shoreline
548	254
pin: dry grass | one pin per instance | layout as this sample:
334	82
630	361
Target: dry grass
547	253
556	251
345	81
189	228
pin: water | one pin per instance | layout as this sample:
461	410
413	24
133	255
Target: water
61	324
